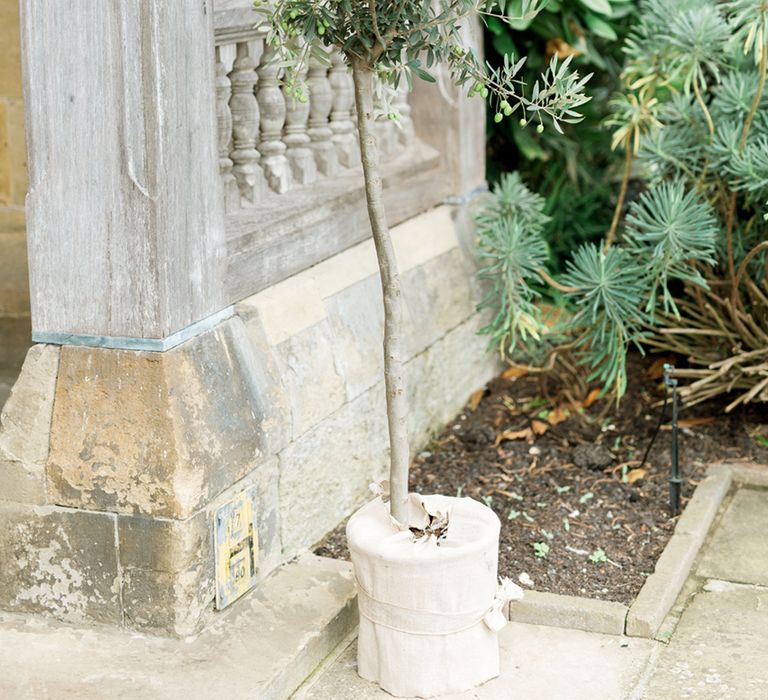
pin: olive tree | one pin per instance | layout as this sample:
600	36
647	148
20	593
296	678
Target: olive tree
385	42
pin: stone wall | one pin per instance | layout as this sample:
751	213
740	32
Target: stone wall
14	284
113	462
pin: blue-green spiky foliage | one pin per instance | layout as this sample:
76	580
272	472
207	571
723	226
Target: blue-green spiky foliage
608	288
699	230
512	250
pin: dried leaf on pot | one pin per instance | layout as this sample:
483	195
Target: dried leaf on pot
381	489
424	523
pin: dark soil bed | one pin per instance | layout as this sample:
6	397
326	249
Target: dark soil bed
578	516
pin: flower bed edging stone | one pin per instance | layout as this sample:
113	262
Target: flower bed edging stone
572	612
746	473
659	593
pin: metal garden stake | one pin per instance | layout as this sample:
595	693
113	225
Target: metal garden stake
674	480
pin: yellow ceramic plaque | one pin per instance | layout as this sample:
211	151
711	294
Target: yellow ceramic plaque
237	548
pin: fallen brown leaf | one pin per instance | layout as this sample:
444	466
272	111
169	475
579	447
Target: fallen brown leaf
476	398
691	422
656	370
592	396
558	415
539	427
524	434
634	475
514	373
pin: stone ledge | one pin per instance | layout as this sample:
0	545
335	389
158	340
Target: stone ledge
553	610
274	242
263	648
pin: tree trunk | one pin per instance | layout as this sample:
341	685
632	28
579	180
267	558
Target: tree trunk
394	380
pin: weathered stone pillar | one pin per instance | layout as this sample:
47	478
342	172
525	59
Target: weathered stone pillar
141	410
125	209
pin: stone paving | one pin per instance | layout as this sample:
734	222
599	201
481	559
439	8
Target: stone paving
712	646
538	663
718	649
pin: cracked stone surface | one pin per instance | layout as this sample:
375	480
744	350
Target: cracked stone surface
718	650
739	549
589	667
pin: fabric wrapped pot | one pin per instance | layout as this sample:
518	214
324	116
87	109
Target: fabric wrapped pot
429	609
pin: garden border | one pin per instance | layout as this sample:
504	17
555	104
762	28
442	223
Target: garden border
645	615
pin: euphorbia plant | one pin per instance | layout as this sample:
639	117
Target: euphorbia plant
688	272
385	42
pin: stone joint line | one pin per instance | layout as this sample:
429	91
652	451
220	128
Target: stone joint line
139	344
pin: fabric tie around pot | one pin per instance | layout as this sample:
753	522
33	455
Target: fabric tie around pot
429	612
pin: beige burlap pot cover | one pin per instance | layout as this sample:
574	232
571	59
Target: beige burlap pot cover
429	611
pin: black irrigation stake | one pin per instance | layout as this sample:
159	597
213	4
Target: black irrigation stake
674	480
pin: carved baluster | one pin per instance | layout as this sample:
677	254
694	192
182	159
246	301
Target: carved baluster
321	102
406	133
245	125
297	140
224	124
272	106
342	126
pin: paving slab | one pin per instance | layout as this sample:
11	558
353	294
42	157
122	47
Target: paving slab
719	649
263	647
537	662
738	550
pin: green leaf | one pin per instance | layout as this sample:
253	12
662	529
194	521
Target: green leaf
602	7
600	27
426	76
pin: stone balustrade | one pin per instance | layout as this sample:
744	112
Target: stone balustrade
290	169
268	141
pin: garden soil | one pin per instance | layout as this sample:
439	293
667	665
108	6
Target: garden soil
580	513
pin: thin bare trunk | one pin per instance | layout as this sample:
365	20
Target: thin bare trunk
757	97
622	196
394	379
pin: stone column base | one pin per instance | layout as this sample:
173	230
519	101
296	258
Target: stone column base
114	462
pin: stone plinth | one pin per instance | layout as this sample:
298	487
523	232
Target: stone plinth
113	462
